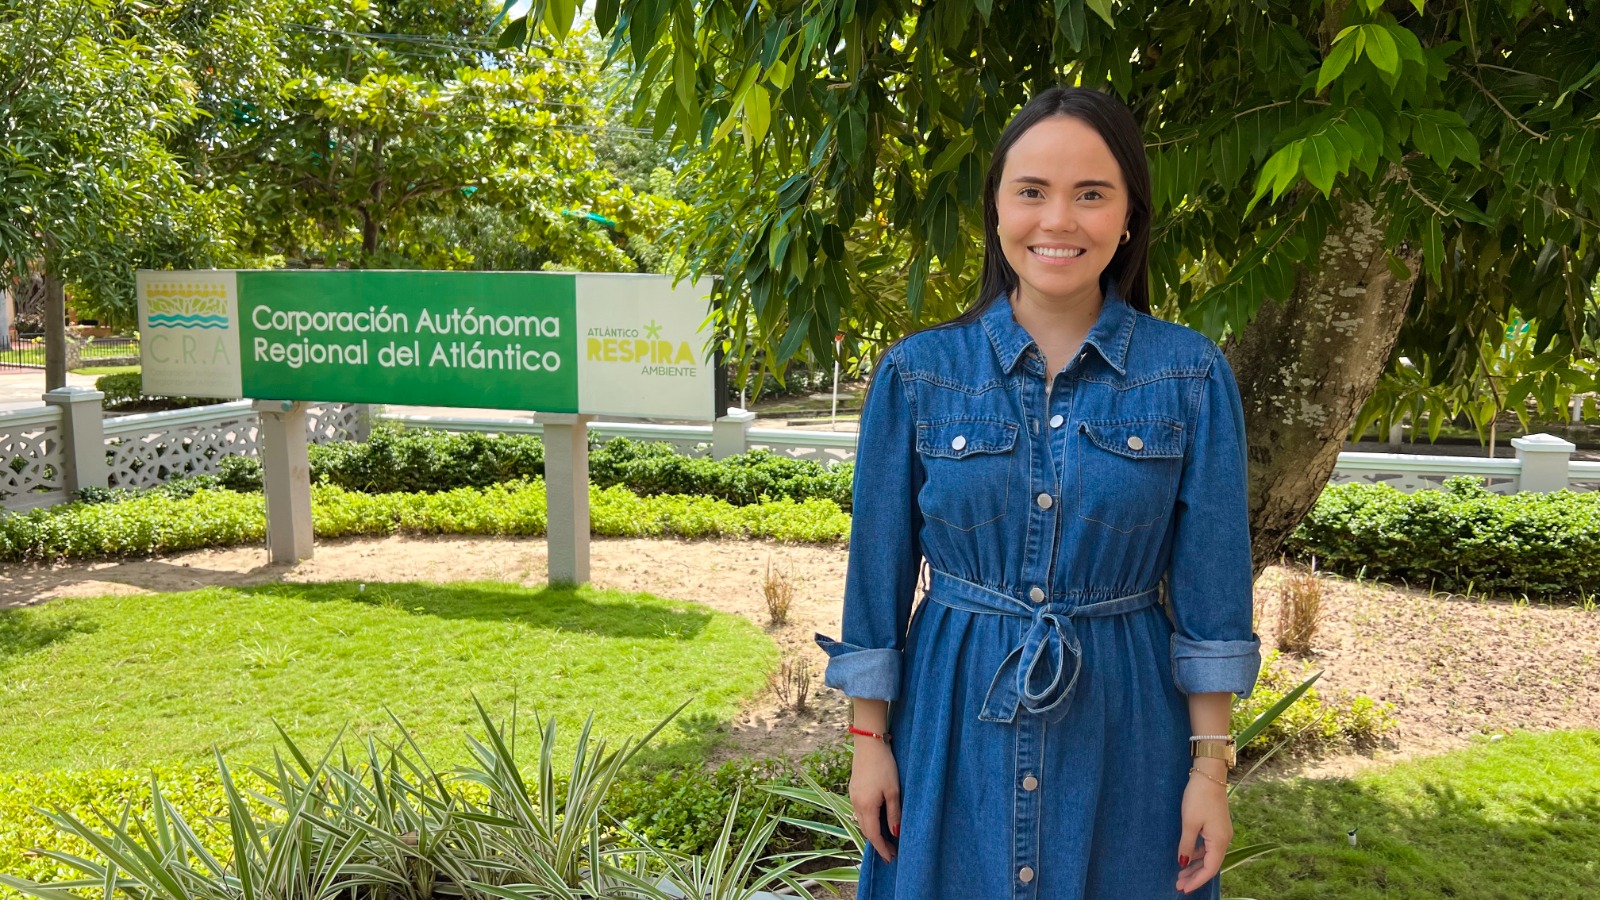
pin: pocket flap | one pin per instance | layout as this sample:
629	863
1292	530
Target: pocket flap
1154	438
956	438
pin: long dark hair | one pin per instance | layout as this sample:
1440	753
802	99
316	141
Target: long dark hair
1109	116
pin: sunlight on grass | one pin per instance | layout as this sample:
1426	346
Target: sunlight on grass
1518	817
162	678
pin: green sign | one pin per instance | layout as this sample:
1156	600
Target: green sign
625	345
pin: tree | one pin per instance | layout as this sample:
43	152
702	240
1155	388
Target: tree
1332	180
89	90
361	132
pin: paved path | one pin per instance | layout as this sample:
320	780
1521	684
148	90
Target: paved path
23	390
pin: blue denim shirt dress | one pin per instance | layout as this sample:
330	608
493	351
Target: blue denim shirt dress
1088	553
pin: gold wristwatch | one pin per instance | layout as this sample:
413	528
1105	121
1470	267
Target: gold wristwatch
1214	749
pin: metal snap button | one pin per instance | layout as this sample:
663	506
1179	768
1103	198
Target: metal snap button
1036	595
1025	874
1056	420
1030	783
959	442
1135	443
1045	501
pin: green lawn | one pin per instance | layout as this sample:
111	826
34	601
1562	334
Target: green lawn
125	682
33	354
1514	818
105	370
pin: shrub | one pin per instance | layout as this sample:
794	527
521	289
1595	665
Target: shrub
84	795
1311	723
683	809
649	469
1460	539
153	522
121	388
125	389
398	459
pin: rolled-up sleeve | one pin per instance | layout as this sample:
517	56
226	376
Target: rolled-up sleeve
885	555
1211	578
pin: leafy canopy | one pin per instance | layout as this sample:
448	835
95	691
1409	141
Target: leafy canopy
851	137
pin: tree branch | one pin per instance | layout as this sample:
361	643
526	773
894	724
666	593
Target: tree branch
1496	101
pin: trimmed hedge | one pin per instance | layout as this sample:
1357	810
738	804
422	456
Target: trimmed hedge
403	460
657	468
1459	539
120	388
158	523
125	389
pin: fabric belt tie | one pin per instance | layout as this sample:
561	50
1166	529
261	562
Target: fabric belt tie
1049	657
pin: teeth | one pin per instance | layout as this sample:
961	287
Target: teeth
1056	253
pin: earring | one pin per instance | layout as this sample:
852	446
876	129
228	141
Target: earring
1125	236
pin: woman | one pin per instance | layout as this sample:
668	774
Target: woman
1073	472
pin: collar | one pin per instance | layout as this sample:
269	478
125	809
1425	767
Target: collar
1110	336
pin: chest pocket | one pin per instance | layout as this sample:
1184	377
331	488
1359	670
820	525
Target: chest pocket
969	466
1128	471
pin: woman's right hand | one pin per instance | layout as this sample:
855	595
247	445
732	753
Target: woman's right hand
875	785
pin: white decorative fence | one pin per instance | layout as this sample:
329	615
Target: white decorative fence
47	454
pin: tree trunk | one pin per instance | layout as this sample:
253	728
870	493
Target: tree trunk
55	331
1305	367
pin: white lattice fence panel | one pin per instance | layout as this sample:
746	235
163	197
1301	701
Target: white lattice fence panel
30	460
330	422
145	458
1411	482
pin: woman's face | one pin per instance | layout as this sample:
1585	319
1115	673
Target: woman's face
1062	208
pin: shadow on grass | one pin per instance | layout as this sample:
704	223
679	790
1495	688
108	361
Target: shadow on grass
560	608
22	634
1475	840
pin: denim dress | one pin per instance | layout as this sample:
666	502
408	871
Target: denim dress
1088	565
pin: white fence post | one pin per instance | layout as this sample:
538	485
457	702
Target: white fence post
566	485
730	434
83	438
286	473
1545	462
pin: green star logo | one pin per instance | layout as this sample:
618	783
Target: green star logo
653	330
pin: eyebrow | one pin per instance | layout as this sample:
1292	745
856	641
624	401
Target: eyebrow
1034	179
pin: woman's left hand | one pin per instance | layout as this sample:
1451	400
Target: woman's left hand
1205	814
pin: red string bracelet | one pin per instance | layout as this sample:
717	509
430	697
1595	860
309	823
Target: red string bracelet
871	734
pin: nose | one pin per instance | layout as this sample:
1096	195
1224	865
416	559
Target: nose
1057	216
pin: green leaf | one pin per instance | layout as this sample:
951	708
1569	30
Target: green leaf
1321	162
916	284
558	15
951	156
1102	8
1335	63
795	334
758	113
1383	52
605	15
1579	154
515	35
1278	173
1443	136
944	225
1397	267
1433	247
